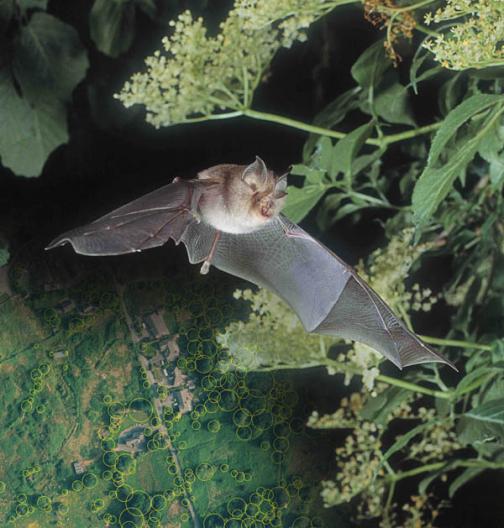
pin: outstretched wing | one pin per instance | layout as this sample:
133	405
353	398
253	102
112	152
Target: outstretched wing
144	223
327	294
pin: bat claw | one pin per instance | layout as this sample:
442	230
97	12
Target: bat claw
205	268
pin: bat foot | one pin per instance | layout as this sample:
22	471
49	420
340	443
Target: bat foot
205	268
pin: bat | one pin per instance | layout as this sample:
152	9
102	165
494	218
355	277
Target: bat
230	217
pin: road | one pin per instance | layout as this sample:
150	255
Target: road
158	404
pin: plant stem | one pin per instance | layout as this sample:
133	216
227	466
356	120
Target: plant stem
434	466
314	129
446	395
390	380
454	343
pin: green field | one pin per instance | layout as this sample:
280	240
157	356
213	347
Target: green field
88	438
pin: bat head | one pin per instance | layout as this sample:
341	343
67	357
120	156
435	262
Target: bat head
265	190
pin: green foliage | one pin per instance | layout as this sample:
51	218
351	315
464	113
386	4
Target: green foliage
441	181
41	66
475	37
453	149
112	23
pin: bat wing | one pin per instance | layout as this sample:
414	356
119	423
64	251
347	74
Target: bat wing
327	294
144	223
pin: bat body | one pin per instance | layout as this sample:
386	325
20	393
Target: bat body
230	218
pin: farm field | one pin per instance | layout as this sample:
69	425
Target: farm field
119	408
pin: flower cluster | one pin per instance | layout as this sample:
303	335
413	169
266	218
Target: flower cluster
475	41
290	18
359	459
272	336
399	23
390	267
197	76
420	512
438	442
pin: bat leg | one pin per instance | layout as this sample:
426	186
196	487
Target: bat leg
206	265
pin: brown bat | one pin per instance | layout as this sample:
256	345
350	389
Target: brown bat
229	217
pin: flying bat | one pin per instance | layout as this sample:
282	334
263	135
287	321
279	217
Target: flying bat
230	217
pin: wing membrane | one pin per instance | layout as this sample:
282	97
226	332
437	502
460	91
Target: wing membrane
145	223
327	294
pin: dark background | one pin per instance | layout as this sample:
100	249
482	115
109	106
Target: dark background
113	156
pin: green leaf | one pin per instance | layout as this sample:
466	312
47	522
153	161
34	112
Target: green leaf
476	378
331	115
437	179
466	475
450	94
313	176
421	55
471	431
491	149
112	25
458	117
322	157
491	412
346	149
402	441
378	409
28	132
25	5
49	59
301	201
393	105
429	479
336	110
369	68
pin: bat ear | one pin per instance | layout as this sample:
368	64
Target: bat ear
281	186
256	172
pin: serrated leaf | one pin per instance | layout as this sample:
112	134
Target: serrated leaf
301	201
346	149
466	475
371	65
28	132
456	118
491	412
49	59
112	25
437	179
393	105
476	378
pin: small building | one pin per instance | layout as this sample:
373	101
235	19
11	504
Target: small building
79	467
157	325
